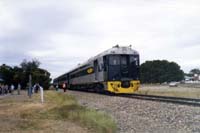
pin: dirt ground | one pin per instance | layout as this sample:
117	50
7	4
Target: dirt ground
13	106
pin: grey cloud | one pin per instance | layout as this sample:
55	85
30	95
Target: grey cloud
37	24
157	29
44	20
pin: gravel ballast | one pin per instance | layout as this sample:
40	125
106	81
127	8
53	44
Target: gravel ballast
134	115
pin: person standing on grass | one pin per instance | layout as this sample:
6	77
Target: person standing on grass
57	88
64	87
12	88
6	89
0	89
18	89
3	87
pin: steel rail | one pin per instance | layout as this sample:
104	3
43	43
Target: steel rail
167	99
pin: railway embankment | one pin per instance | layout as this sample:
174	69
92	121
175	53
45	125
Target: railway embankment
136	115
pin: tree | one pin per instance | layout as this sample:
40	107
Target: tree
159	71
195	71
42	77
30	65
39	75
21	74
7	73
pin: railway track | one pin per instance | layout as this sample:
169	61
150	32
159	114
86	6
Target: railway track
167	99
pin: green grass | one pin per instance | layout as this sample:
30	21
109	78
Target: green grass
65	107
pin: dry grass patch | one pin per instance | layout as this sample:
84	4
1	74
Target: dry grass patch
187	92
59	113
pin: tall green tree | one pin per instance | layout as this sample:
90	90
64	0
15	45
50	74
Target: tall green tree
7	73
21	74
159	71
18	76
39	75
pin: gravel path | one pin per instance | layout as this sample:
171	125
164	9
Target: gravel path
133	115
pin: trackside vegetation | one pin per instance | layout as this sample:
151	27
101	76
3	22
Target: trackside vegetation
160	71
164	90
64	107
20	74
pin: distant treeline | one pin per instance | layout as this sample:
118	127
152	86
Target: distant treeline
20	74
160	71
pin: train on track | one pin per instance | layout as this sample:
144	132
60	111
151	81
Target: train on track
115	70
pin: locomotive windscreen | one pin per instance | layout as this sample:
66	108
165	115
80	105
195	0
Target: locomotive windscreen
123	67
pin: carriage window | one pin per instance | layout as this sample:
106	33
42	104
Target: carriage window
114	60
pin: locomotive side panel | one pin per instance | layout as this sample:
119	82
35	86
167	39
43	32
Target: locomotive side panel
93	73
82	75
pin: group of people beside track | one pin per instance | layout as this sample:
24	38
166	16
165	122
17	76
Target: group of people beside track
9	89
63	86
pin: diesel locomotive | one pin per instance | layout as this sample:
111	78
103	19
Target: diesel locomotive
115	70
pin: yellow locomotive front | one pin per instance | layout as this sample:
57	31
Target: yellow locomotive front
122	73
117	86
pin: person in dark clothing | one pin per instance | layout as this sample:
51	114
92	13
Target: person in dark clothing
37	87
64	87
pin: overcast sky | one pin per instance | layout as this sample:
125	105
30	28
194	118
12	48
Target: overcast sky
63	33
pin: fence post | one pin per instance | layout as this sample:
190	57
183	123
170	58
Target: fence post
42	94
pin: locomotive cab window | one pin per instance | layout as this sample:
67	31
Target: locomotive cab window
124	60
114	60
114	67
134	60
